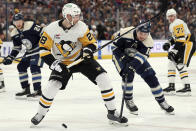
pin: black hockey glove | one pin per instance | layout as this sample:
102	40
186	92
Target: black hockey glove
166	46
87	53
131	52
8	60
172	55
59	67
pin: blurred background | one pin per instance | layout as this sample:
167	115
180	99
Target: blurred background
104	17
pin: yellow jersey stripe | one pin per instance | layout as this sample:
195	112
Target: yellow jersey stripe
188	49
184	74
45	102
171	73
108	95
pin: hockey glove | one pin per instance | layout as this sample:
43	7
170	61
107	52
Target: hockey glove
8	60
131	52
172	55
87	53
59	67
166	46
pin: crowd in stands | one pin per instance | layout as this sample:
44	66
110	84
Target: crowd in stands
107	15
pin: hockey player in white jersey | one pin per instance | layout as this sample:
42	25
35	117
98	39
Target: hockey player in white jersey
63	42
130	56
183	47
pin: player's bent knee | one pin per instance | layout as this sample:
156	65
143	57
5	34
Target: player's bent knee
35	68
103	81
148	72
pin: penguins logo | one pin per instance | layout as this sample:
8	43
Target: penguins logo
65	47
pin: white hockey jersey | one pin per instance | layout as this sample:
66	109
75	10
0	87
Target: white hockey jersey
65	44
179	30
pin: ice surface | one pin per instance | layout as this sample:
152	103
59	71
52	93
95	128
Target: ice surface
81	107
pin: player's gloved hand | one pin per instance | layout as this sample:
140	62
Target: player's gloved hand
166	46
59	67
131	52
172	55
8	60
87	53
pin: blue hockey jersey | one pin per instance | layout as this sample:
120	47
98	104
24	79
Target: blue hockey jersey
29	36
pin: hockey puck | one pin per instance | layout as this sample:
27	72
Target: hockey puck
64	125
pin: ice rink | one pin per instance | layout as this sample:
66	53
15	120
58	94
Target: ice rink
81	107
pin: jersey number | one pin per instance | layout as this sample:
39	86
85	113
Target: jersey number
37	28
43	40
179	30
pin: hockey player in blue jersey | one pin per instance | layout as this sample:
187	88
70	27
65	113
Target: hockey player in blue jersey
129	56
26	33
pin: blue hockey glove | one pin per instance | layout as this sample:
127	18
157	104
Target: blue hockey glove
8	60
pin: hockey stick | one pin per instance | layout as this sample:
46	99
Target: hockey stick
163	9
13	59
123	96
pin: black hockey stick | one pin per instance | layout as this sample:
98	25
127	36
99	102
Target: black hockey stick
16	59
123	96
163	9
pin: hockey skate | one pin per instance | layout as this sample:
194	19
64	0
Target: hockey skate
2	87
131	107
36	119
167	108
170	90
186	91
23	94
115	119
34	96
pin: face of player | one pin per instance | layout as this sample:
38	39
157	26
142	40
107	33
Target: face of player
19	24
141	35
171	18
75	19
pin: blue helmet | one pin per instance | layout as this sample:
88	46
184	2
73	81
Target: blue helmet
144	27
18	16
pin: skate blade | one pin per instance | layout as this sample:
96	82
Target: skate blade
33	99
171	93
2	90
184	94
115	123
170	113
134	112
33	126
21	97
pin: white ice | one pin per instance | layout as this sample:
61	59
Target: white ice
81	107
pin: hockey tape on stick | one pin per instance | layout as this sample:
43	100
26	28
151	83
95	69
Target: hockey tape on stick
164	4
16	59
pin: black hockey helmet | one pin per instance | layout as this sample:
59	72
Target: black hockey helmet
18	16
144	27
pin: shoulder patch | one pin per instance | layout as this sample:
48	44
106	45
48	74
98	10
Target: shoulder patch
148	42
128	35
14	32
28	25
